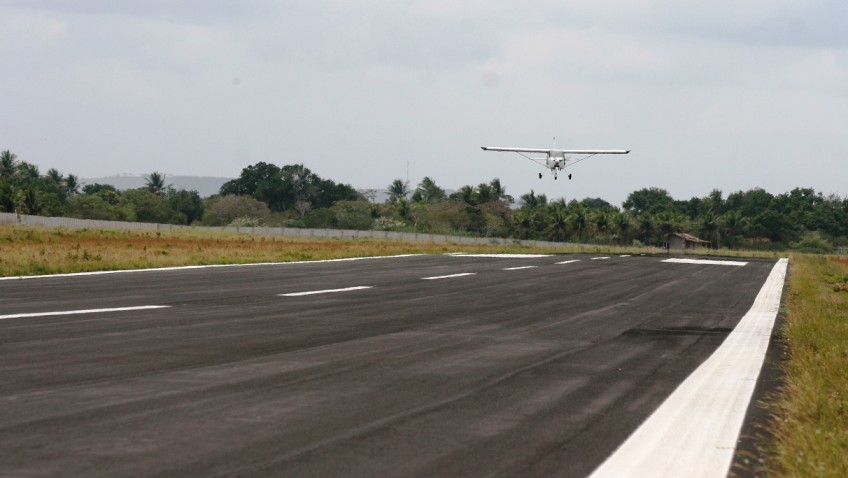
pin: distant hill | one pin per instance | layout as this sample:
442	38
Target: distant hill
204	185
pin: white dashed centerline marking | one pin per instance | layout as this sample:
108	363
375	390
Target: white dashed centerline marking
706	262
569	262
82	311
519	268
325	291
600	258
463	274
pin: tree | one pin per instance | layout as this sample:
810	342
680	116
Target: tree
428	192
532	201
8	164
92	206
649	200
27	173
187	203
326	192
155	183
398	190
55	177
734	225
465	195
7	196
623	225
715	203
71	185
353	215
579	220
107	192
709	227
499	192
225	209
150	207
646	228
557	225
250	179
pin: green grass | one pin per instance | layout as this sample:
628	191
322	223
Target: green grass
811	421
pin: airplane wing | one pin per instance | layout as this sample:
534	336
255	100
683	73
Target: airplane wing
554	151
515	150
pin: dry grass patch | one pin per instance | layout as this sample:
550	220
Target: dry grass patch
36	250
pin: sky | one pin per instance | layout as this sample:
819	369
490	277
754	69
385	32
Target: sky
719	94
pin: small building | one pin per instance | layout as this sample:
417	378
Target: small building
680	241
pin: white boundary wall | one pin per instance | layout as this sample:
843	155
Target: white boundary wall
71	223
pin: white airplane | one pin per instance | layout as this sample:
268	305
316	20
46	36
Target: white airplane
555	159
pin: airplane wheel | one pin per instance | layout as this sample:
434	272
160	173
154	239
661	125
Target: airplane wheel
540	175
569	176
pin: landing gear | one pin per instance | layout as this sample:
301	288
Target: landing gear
569	176
540	175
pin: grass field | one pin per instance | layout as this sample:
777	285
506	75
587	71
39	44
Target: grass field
811	412
810	425
38	250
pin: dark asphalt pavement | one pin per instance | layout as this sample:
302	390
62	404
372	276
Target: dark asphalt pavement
523	367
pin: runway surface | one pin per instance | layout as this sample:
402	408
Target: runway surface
407	366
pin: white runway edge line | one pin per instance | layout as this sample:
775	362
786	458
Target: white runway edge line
462	274
84	311
325	291
706	262
694	432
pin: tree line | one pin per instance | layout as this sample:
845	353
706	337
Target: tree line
294	196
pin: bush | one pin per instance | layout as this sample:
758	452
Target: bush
226	209
812	242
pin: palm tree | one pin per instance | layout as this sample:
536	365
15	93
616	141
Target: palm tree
467	195
72	184
532	201
28	172
602	222
428	192
155	183
715	202
646	228
579	221
55	177
398	190
499	192
623	224
525	222
485	193
709	227
8	164
558	225
734	225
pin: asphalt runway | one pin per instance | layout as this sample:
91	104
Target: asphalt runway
407	366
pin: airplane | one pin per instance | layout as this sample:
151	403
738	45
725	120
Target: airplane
555	159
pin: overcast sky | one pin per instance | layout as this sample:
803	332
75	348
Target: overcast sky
716	94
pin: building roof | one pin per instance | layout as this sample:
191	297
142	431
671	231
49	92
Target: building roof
690	238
